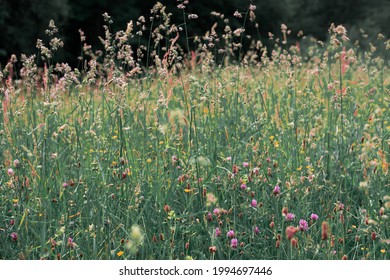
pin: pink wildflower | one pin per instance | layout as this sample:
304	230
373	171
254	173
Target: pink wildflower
254	203
230	234
14	236
290	217
234	243
314	217
303	226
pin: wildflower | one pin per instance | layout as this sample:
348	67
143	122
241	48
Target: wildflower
324	233
14	236
217	232
303	226
276	190
245	164
192	16
284	211
254	203
344	257
209	217
228	158
16	163
233	243
252	7
216	211
65	184
256	230
10	172
71	244
120	253
373	235
294	242
272	225
290	232
212	249
237	14
314	217
243	186
230	234
290	217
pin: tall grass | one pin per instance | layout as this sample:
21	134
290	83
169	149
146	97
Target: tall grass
188	155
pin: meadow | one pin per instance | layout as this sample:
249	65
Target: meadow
217	154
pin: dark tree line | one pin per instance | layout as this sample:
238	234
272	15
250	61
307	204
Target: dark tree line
22	22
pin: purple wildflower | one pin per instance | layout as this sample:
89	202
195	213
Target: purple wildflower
230	234
14	236
303	226
314	217
290	217
234	243
254	203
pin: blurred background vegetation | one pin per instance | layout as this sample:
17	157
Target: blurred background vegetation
22	22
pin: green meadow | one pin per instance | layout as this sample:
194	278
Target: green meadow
224	153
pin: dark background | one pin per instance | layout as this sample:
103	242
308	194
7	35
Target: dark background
22	22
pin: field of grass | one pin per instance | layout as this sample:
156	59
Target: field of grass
276	157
